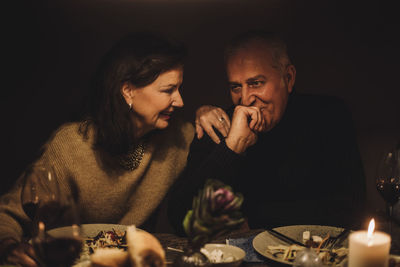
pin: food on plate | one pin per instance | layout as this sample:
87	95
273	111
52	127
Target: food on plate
314	241
132	247
144	249
109	257
107	239
306	236
288	253
217	256
317	239
328	257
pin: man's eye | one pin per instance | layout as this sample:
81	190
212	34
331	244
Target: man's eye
256	84
235	88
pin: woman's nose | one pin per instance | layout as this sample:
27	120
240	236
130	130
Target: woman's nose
177	101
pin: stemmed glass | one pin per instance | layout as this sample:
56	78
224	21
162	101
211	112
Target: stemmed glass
47	207
388	179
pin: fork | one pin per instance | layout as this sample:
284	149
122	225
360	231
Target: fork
332	241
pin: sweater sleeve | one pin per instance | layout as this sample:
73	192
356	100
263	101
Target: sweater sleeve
14	223
206	160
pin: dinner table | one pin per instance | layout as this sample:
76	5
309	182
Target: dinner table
169	241
172	244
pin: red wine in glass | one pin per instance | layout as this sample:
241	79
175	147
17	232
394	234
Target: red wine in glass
61	250
30	209
388	179
57	251
389	190
43	202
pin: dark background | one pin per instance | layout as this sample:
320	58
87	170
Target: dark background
51	48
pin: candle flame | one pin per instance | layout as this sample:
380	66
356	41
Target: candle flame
371	228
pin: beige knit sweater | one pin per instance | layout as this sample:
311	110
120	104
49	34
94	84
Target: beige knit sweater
125	197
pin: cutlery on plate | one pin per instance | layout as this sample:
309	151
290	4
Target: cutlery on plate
340	238
175	249
284	237
334	241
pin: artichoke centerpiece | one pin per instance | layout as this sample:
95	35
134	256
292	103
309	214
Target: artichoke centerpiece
215	211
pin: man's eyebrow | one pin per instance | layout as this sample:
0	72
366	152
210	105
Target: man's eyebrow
258	77
234	83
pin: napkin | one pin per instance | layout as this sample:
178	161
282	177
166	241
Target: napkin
246	243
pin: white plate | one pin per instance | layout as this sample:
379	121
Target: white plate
87	231
265	239
237	253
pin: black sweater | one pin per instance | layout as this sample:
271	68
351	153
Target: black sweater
306	170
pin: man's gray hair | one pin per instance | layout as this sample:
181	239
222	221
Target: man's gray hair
274	43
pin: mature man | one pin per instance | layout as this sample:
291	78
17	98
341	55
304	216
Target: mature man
293	156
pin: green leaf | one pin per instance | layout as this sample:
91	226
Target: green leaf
187	222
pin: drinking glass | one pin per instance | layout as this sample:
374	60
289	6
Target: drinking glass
47	207
388	179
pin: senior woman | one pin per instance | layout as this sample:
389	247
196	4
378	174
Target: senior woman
123	157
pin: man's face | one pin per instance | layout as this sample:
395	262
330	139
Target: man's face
254	80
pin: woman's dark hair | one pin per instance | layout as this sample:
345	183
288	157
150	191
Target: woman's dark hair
139	59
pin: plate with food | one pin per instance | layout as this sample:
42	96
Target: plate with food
113	243
282	243
95	236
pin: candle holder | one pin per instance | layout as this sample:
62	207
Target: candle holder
369	248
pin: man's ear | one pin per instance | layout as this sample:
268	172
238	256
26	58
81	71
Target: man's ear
127	92
290	77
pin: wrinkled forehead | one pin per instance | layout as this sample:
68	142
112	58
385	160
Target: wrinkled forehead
254	53
249	62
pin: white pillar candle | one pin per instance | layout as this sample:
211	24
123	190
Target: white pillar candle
369	249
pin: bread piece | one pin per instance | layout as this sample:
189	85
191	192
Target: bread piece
144	249
109	257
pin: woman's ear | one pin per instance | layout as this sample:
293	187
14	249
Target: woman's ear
127	92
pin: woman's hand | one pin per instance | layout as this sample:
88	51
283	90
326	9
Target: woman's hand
208	116
21	254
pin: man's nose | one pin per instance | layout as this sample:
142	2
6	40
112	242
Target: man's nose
177	100
248	97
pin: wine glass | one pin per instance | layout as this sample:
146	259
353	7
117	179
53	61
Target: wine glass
49	207
388	179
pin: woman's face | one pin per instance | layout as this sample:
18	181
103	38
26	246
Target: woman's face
154	104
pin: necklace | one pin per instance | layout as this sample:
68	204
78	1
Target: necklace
132	159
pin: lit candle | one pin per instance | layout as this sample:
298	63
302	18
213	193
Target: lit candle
369	249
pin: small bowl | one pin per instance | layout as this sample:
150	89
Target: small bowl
228	251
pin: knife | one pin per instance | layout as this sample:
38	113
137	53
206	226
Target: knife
284	238
340	238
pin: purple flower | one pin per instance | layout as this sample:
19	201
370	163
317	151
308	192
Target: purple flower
215	211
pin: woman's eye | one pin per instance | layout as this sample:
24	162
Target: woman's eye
168	91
